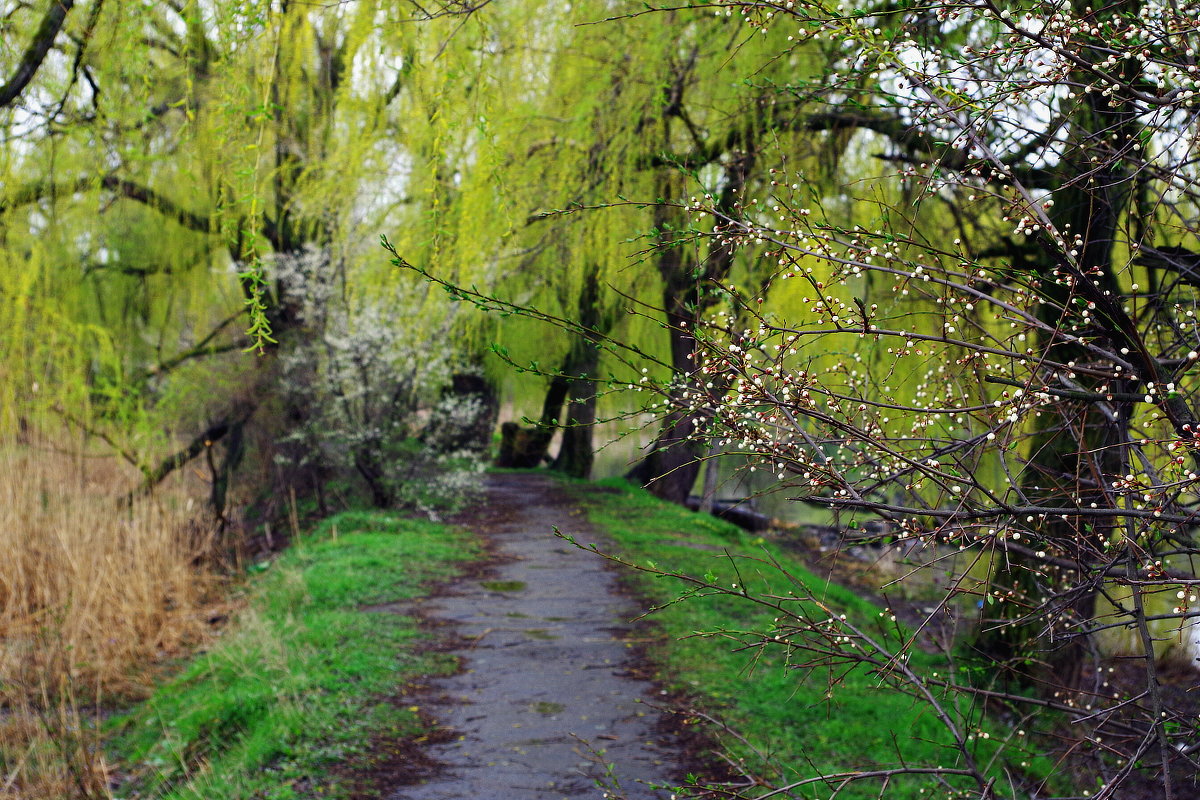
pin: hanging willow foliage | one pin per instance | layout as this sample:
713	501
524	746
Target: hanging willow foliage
160	154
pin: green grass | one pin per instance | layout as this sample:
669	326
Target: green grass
809	721
301	681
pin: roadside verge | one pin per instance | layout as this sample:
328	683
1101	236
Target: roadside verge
299	684
778	715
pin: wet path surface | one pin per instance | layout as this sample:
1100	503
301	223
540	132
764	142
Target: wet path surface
545	699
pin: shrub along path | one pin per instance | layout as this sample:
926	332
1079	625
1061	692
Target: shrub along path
546	701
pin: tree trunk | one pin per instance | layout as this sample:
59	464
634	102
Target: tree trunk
223	472
526	448
711	474
1075	452
575	455
669	470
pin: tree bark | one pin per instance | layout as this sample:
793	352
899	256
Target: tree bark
670	468
708	496
526	448
575	454
35	54
222	473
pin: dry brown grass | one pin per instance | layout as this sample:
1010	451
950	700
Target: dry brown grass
93	595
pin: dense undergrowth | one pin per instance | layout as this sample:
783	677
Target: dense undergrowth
302	680
785	722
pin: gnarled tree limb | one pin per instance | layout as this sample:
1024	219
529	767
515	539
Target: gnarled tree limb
233	417
39	190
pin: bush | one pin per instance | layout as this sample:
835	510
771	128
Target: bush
363	384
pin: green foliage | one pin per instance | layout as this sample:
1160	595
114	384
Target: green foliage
563	135
301	682
164	158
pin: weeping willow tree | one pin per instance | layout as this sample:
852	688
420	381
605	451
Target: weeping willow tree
160	159
562	182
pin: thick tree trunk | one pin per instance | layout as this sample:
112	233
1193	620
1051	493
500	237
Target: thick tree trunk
575	455
670	468
1076	451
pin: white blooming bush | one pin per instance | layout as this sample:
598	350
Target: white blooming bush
364	381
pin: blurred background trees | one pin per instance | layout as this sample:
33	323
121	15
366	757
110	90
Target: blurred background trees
932	269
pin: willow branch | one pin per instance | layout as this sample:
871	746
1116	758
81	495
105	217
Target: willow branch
131	190
35	54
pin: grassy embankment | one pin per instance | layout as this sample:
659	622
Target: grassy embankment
807	721
300	683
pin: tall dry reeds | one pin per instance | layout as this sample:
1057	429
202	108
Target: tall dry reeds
93	594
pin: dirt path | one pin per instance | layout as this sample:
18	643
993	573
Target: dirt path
545	697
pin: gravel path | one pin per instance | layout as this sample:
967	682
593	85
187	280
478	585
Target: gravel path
546	698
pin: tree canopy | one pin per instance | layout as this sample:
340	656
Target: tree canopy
933	269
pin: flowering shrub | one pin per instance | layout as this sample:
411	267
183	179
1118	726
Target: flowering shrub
363	379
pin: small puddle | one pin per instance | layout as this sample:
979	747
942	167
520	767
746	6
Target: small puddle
503	586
